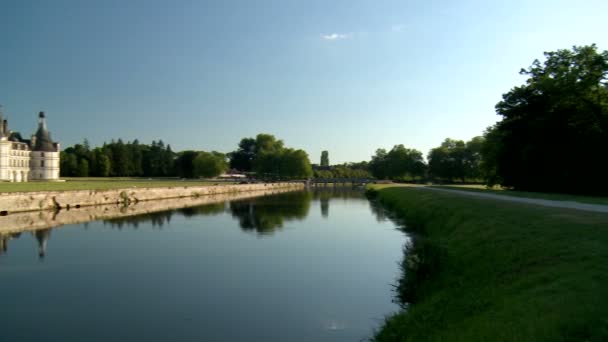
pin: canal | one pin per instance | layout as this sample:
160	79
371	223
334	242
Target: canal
295	266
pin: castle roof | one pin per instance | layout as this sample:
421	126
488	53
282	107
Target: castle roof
44	142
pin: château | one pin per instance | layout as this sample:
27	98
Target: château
22	160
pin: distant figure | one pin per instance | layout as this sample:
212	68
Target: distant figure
42	236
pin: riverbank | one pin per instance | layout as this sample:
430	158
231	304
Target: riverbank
14	202
486	270
104	183
35	220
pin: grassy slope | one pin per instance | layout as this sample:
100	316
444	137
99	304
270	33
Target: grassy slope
509	272
99	184
554	197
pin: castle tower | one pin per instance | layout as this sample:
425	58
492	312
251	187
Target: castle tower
5	148
44	162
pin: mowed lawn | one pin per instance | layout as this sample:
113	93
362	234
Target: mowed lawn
102	184
502	271
539	195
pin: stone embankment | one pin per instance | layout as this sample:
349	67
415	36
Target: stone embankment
53	200
35	220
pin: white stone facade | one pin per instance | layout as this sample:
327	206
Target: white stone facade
24	160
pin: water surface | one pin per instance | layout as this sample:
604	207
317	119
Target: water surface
299	266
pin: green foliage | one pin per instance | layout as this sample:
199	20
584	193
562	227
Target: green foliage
118	159
242	158
346	170
455	159
68	164
101	165
83	168
209	164
268	157
554	126
184	164
399	163
499	271
324	159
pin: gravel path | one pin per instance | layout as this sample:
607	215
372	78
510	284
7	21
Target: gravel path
548	203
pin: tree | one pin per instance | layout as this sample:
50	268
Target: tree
209	164
400	163
83	168
102	167
68	164
242	158
448	161
554	125
184	164
378	163
267	156
324	159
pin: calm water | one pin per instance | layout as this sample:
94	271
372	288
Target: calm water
299	266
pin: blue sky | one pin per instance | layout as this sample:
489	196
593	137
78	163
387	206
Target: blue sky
346	76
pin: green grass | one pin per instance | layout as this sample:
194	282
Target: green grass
540	195
101	184
500	271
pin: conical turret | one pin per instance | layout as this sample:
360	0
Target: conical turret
43	137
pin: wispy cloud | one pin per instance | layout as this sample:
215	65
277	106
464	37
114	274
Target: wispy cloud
336	36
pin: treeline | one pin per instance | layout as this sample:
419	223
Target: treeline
347	170
133	159
270	159
552	136
554	129
118	159
263	155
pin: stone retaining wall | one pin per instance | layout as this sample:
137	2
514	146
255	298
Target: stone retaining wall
35	220
46	200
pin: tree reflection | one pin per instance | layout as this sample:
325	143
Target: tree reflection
206	210
42	236
157	219
265	215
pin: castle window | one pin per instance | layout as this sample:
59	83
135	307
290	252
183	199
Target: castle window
42	154
42	163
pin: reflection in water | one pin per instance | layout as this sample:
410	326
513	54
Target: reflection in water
318	279
324	207
206	210
158	219
4	239
42	236
263	215
378	210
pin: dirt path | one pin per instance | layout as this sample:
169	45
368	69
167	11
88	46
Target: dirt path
548	203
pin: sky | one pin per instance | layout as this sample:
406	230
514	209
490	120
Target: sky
344	76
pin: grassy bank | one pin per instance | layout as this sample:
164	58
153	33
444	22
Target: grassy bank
540	195
484	270
100	184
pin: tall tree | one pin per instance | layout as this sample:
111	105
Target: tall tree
554	124
324	159
209	164
242	158
400	163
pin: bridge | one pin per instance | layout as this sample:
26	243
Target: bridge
324	182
